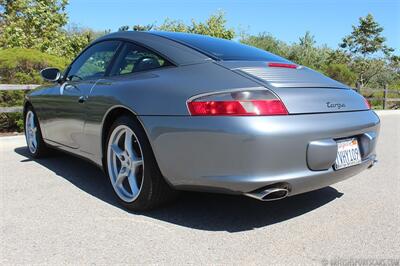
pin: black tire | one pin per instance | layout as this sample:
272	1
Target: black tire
41	150
154	191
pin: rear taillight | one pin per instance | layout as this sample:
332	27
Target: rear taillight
237	103
284	65
367	103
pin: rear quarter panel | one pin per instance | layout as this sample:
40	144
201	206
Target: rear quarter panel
161	92
165	91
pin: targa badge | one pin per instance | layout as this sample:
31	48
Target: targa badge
335	105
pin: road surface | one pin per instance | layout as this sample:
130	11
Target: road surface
61	210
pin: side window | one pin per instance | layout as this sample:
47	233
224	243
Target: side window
134	59
93	62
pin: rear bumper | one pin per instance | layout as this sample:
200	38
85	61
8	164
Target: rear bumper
242	154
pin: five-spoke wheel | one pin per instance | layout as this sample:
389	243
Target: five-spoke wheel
30	131
33	135
132	167
125	163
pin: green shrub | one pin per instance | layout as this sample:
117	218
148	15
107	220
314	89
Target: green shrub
342	73
21	66
12	98
11	122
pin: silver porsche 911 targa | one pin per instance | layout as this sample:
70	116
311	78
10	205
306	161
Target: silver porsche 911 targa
162	112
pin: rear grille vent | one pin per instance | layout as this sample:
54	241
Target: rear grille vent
285	77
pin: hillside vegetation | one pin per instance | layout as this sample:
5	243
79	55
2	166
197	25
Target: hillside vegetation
35	34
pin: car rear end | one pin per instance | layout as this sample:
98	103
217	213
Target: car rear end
246	154
295	131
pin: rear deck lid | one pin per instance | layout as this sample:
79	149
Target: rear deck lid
320	100
301	89
280	76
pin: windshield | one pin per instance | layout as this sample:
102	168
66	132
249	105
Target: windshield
221	49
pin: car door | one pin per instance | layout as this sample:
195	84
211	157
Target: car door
69	106
131	69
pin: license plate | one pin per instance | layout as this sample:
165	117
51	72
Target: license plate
348	153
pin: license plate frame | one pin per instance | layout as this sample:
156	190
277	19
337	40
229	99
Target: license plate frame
348	153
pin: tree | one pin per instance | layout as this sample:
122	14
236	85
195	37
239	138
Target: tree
37	24
366	38
214	26
308	54
305	52
389	72
32	23
341	72
137	27
266	42
123	28
173	25
338	57
362	44
143	27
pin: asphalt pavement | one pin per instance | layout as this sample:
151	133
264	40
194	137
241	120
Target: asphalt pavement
61	210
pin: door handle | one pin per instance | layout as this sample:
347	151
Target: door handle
69	88
82	99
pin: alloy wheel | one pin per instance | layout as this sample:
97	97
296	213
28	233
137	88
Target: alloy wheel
125	163
31	131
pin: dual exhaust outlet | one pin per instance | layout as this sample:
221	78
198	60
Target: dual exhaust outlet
269	194
278	191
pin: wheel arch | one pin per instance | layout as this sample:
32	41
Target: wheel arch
25	107
108	119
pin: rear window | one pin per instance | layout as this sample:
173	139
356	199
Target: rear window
220	48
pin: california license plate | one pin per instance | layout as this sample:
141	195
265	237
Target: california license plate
348	153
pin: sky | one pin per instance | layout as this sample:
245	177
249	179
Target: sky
328	20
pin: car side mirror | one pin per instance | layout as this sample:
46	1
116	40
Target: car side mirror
51	74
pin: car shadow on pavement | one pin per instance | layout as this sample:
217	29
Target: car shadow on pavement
202	211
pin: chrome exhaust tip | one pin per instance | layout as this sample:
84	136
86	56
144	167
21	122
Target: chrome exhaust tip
269	194
374	161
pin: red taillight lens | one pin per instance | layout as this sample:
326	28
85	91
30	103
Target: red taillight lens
216	108
237	108
270	107
367	103
237	103
285	65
